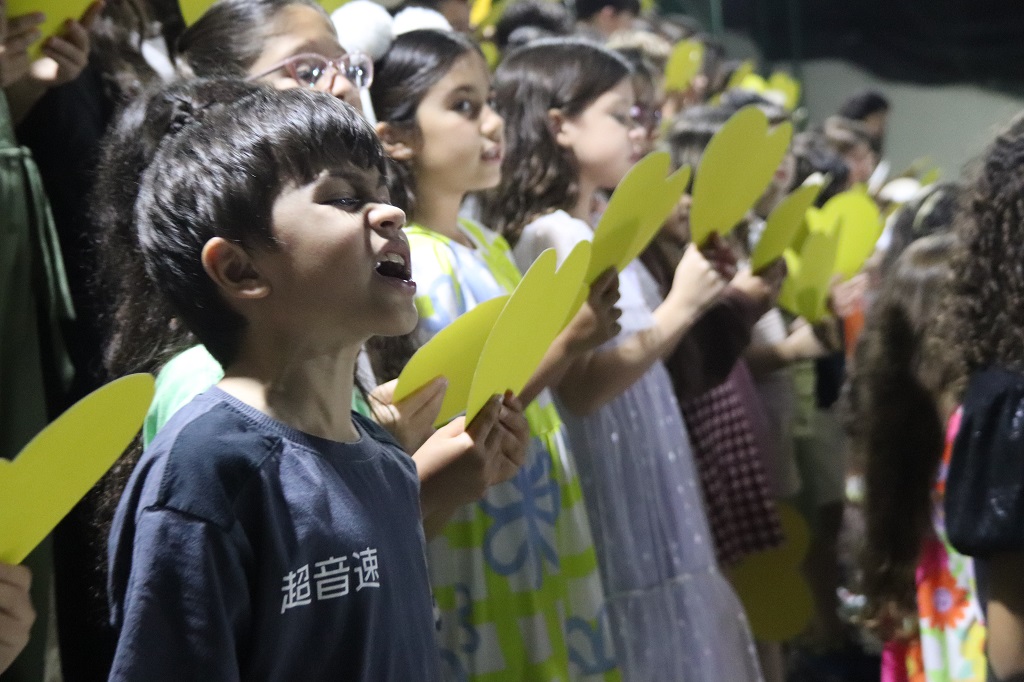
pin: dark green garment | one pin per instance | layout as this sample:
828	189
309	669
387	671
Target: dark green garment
34	302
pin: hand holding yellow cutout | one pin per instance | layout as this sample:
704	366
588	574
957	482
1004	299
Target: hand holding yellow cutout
534	315
782	225
453	353
498	345
684	63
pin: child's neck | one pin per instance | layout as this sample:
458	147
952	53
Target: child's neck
308	388
584	204
439	211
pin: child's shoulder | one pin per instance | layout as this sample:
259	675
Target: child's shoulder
205	457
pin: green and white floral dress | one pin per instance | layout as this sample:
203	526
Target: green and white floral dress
515	575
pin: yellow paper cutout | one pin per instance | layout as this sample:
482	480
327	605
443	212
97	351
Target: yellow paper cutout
789	87
859	225
662	198
782	225
931	177
775	595
56	11
479	11
191	10
739	75
684	63
331	5
453	352
644	198
753	82
491	54
817	263
534	315
736	168
59	466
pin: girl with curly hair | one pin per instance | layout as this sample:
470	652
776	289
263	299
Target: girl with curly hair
985	494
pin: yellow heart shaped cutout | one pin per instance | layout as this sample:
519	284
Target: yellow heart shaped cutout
856	217
635	213
775	595
191	10
684	63
782	225
454	353
787	86
534	315
735	170
59	466
817	264
620	222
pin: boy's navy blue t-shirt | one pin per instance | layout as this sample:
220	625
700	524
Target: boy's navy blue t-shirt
244	549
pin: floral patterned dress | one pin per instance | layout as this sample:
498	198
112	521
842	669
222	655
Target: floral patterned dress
950	646
514	576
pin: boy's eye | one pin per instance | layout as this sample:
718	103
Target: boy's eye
347	203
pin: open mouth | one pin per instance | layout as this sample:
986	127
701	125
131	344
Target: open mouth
395	266
492	154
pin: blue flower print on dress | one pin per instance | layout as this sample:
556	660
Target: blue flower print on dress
525	510
590	647
468	638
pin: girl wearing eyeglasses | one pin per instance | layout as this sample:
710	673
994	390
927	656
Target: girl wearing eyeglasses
285	43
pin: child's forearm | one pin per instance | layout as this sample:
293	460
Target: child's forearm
552	369
597	378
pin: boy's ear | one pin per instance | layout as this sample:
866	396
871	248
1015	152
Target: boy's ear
556	125
396	144
232	270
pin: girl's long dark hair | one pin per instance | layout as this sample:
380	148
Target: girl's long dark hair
898	399
413	64
537	174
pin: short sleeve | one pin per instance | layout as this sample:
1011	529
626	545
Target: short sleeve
184	604
985	487
558	231
187	375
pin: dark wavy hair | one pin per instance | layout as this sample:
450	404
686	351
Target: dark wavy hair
985	318
898	397
413	64
228	39
537	174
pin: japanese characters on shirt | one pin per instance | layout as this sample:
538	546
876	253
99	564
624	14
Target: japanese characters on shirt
332	578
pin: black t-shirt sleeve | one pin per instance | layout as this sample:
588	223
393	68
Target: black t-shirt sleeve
985	488
186	603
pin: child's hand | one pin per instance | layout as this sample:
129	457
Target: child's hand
721	257
804	342
464	462
16	612
845	298
597	320
696	284
755	287
67	53
762	287
16	34
411	420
